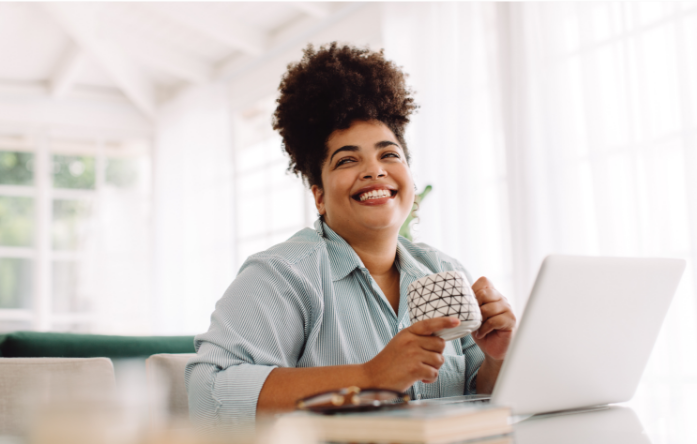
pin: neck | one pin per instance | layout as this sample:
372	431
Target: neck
378	258
377	250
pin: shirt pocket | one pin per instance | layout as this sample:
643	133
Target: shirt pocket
451	379
453	348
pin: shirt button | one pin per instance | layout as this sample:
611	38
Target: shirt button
401	326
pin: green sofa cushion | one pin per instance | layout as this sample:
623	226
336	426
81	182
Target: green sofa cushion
29	344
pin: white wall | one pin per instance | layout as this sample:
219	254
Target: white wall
193	209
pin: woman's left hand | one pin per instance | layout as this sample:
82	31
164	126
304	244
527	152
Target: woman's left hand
498	320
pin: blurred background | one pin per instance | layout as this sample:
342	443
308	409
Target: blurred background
138	167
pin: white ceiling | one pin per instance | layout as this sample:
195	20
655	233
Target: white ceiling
144	51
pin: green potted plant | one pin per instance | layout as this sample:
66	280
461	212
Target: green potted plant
405	230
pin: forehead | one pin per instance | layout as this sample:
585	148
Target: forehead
360	133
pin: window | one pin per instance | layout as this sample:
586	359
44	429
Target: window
271	204
74	232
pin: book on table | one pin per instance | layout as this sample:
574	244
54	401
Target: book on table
411	423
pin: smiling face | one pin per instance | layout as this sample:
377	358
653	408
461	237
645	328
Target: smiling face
367	183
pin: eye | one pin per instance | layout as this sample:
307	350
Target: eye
344	160
391	154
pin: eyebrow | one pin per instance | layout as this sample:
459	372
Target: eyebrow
353	148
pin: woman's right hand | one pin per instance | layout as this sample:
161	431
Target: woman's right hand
414	354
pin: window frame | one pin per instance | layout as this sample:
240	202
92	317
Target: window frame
40	316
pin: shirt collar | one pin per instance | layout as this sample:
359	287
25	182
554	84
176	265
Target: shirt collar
407	264
409	270
342	258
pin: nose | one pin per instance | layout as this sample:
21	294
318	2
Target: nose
373	170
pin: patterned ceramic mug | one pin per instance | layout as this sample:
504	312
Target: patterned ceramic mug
447	293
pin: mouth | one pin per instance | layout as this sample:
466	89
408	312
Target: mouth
376	196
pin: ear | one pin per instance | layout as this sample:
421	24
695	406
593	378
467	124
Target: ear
318	193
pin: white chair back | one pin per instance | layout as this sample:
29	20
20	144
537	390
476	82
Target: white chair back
165	371
28	384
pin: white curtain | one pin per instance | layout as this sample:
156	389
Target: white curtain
614	96
193	210
584	115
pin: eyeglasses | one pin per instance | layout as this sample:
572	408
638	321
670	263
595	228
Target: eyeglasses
352	399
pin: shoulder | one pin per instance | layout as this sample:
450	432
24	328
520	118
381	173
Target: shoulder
279	277
302	244
295	254
433	258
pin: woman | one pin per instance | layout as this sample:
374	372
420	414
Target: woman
327	309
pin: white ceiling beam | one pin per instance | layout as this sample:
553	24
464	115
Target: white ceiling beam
231	33
318	10
40	89
68	70
78	20
161	57
299	33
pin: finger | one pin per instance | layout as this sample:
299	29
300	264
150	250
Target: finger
491	309
502	322
432	343
481	284
429	326
435	360
430	374
488	294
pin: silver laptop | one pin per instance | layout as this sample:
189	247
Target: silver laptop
586	333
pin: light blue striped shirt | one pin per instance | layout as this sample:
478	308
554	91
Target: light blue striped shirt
310	302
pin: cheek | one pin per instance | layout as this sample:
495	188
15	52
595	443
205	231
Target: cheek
337	188
407	186
409	199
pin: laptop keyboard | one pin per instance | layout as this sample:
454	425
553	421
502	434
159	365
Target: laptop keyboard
454	400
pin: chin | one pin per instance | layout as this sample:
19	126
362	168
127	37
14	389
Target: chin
381	223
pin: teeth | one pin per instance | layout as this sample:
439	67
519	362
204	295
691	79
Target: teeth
375	194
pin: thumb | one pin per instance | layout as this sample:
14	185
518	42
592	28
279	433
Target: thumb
429	326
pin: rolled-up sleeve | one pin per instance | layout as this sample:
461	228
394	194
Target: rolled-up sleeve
261	322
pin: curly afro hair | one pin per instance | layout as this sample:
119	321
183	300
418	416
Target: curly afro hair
326	91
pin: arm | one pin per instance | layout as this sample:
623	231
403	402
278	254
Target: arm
260	323
245	362
412	355
284	386
487	374
495	333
